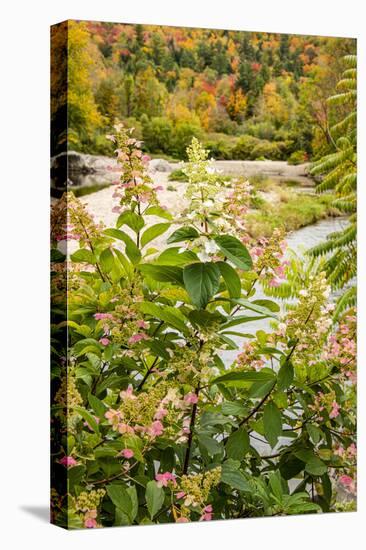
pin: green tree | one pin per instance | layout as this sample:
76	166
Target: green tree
83	60
339	171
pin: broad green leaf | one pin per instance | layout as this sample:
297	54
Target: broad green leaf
57	256
89	418
154	498
272	421
315	466
106	259
152	232
276	485
163	273
241	319
234	478
158	211
121	499
267	304
97	405
75	475
173	256
264	375
235	251
285	375
169	314
233	408
231	278
126	264
254	307
207	441
132	493
183	234
314	432
132	250
132	219
204	318
238	444
83	255
202	281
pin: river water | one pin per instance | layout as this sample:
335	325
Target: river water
299	241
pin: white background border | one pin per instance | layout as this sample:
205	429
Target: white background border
24	203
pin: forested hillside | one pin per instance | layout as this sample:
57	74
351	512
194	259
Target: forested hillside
246	95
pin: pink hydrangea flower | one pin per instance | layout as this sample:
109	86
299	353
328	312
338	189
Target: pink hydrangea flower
156	428
207	513
274	283
100	316
90	523
182	519
127	453
124	428
348	483
191	398
163	479
180	494
335	410
127	394
160	414
68	461
138	337
104	341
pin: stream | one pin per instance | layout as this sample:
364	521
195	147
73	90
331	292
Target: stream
298	241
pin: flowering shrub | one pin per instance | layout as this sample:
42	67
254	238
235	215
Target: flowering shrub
150	425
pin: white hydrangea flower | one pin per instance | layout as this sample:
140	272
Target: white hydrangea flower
211	247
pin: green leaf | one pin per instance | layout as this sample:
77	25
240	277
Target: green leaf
125	263
89	418
83	255
231	278
254	307
275	485
132	219
75	475
272	421
315	466
207	441
106	259
204	318
285	375
202	281
314	432
132	250
233	477
163	273
97	405
154	498
121	499
267	304
260	389
152	232
183	234
238	444
235	251
132	493
173	256
233	408
168	314
158	211
264	375
57	256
